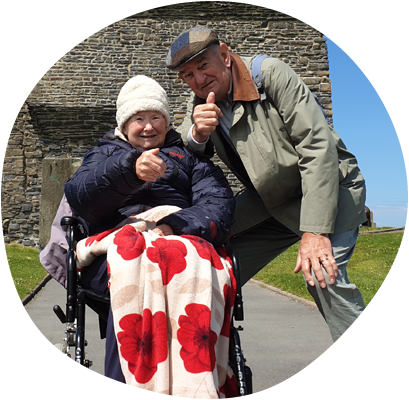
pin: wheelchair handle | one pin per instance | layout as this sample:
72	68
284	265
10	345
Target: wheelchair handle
73	231
69	221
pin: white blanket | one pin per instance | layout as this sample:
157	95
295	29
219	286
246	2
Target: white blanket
172	299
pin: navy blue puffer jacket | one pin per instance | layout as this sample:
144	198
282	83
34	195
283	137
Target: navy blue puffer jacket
105	189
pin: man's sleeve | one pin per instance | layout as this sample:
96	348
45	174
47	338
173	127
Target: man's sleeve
188	121
193	144
313	142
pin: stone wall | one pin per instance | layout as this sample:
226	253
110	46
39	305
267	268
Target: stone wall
74	103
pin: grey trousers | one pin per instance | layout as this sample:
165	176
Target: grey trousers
340	304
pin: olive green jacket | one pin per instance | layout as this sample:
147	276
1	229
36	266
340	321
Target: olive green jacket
299	166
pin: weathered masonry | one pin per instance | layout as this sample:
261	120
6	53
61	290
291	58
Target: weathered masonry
74	103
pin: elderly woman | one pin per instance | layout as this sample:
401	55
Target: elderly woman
140	165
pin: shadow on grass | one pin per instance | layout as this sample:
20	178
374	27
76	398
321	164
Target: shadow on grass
399	391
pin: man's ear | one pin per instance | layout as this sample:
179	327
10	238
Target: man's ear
225	54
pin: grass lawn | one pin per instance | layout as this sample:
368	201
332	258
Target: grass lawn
25	268
369	265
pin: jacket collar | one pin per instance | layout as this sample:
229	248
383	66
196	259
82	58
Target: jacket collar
243	86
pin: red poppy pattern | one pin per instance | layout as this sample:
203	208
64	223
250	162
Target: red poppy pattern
143	343
170	257
229	295
197	339
205	250
99	236
230	388
213	229
171	311
109	275
223	252
130	242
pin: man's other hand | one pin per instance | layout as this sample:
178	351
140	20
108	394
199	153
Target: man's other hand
315	253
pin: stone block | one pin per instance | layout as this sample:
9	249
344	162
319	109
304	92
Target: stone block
325	87
27	207
14	227
312	81
56	171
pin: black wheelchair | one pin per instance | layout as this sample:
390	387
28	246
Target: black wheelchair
78	298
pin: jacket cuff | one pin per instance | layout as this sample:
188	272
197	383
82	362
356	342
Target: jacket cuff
196	146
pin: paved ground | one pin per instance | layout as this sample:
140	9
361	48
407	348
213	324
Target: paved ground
281	336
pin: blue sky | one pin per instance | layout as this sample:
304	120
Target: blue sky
363	123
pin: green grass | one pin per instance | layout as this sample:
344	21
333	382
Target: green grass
369	266
25	268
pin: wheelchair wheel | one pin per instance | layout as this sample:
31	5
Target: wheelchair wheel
55	371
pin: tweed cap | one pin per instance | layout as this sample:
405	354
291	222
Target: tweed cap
189	44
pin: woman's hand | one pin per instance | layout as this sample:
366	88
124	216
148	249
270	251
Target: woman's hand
163	230
149	166
316	252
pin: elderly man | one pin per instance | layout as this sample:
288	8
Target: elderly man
301	182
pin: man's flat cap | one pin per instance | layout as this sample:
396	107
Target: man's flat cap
189	44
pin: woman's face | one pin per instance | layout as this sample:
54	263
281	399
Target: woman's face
146	130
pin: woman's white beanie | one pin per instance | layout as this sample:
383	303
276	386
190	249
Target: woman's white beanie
141	93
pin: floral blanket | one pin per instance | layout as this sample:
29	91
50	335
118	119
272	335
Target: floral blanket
172	299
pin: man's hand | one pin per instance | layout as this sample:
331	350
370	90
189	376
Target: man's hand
206	117
163	230
316	251
149	166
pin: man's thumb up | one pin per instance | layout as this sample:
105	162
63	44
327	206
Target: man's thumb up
206	117
211	98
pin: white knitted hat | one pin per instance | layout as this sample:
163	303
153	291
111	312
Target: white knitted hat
141	93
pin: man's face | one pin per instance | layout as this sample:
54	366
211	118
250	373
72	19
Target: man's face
208	72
